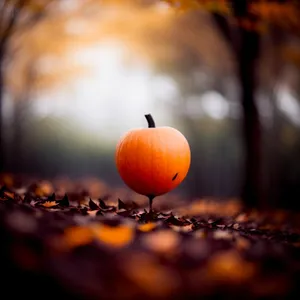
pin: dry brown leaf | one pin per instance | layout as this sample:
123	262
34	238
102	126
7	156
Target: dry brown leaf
150	276
222	234
200	234
208	206
92	213
236	226
229	266
164	241
186	228
242	243
241	218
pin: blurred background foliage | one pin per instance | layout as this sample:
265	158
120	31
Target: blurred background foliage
77	74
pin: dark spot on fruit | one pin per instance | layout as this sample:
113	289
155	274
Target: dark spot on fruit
175	176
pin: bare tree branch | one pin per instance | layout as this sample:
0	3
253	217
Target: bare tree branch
223	26
11	23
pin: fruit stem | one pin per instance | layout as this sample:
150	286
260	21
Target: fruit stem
151	123
150	202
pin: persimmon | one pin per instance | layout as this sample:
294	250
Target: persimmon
153	161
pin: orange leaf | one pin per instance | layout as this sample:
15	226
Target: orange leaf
9	194
114	236
147	227
77	236
44	189
49	204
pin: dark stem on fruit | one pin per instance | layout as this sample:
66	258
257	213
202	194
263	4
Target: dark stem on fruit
151	197
151	123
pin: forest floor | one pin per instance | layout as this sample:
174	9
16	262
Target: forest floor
75	244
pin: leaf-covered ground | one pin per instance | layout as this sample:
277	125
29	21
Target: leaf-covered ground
66	240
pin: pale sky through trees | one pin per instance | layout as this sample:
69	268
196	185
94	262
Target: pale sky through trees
112	97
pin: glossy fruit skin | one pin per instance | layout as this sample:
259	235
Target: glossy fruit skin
153	161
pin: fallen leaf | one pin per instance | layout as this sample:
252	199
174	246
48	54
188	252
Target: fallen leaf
92	213
45	188
163	241
77	236
241	218
186	228
147	227
229	266
222	234
121	204
49	204
242	243
114	236
93	205
64	202
9	195
150	276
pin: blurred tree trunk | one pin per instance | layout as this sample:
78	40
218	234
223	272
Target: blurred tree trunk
20	120
245	46
1	119
17	155
5	35
11	14
246	58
